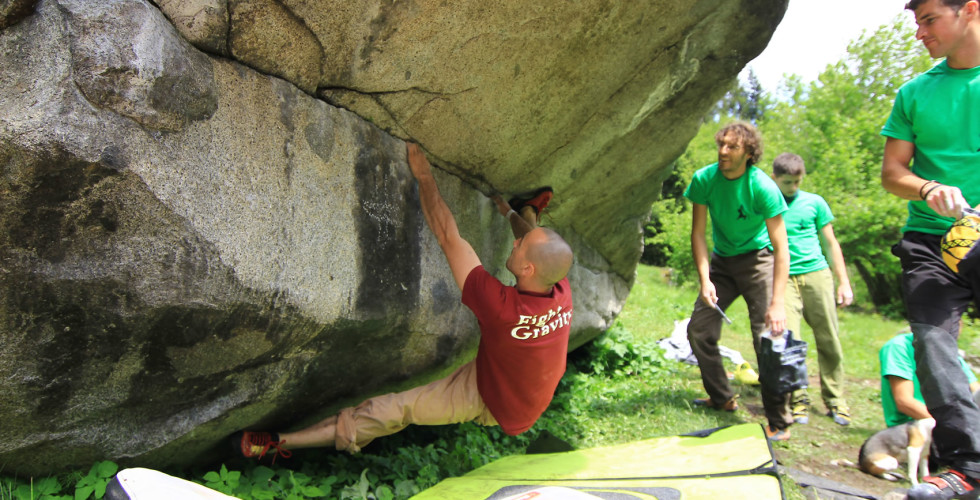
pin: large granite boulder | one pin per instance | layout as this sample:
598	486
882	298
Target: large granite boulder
594	98
209	223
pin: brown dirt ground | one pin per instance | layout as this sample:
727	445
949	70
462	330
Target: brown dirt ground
822	447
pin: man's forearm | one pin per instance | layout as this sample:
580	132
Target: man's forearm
437	214
518	225
780	268
913	409
699	251
901	182
780	275
459	253
699	243
839	268
904	396
896	176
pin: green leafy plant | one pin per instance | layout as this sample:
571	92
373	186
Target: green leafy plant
614	354
223	480
94	483
297	485
49	489
46	489
259	489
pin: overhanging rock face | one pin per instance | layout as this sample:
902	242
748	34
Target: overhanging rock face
209	223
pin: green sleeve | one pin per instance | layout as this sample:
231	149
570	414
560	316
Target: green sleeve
897	359
824	215
696	191
899	126
970	376
772	201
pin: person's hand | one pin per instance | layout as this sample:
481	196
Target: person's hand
776	319
845	296
417	161
708	293
502	206
946	201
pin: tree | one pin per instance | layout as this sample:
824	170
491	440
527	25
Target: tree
667	235
834	124
747	101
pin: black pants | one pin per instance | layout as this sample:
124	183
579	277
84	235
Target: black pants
748	275
936	298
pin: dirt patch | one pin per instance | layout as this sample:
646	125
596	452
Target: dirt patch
822	447
832	470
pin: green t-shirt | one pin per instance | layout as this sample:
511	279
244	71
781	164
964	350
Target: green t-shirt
738	208
897	358
808	213
938	112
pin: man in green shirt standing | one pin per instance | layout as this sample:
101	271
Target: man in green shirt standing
932	150
750	258
810	290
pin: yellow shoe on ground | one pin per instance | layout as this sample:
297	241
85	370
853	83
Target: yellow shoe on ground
746	375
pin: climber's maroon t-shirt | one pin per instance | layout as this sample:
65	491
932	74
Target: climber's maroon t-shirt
523	343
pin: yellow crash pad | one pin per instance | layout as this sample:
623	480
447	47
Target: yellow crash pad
731	462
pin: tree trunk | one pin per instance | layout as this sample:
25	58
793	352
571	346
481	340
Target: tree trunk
885	289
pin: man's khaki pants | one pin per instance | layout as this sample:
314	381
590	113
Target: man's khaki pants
449	400
810	297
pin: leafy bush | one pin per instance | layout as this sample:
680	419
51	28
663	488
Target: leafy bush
614	354
92	484
46	489
95	482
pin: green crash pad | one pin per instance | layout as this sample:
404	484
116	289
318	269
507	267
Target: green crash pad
730	462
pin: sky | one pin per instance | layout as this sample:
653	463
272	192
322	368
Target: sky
815	33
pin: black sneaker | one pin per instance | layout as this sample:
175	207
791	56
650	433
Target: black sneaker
948	485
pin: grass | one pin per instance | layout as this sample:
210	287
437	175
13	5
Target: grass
618	388
654	305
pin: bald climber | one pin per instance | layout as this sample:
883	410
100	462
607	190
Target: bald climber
523	337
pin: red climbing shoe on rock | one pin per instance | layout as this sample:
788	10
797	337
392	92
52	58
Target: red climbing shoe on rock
537	200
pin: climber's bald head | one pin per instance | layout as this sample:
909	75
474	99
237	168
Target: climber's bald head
541	258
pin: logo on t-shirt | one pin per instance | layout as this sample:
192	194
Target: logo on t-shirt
532	327
741	213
